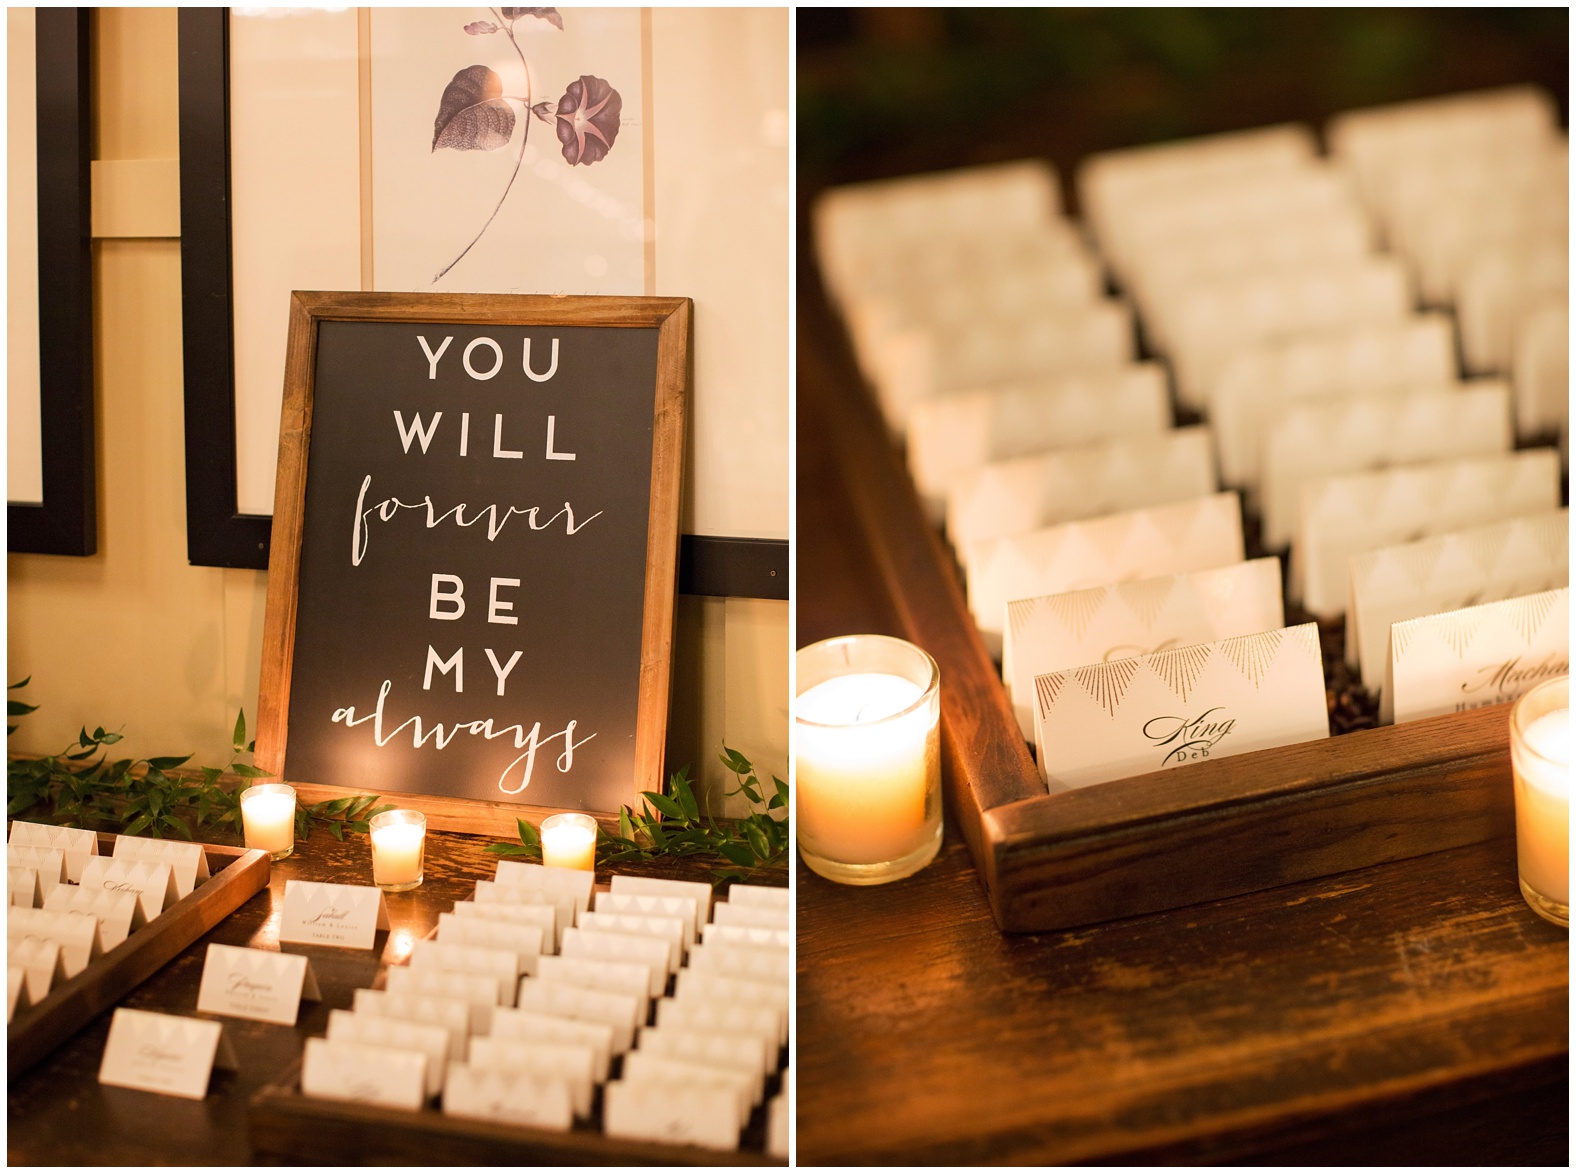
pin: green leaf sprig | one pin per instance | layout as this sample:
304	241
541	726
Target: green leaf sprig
671	824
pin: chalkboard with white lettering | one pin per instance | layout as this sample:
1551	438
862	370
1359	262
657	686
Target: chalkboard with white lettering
475	536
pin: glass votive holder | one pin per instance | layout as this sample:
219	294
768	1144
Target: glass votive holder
268	813
569	841
399	839
867	758
1540	741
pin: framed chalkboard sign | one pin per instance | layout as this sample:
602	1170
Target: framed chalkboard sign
474	551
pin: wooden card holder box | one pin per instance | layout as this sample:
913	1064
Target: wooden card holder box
237	873
1158	841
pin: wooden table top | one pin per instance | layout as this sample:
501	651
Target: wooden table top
61	1116
1407	1013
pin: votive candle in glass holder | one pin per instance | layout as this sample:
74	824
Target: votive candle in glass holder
268	818
569	841
867	758
1540	759
398	841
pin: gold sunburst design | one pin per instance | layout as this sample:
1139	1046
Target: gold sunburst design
1107	682
1528	613
1253	654
1047	687
1180	668
1077	609
1147	597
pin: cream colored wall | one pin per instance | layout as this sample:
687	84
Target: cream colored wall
134	637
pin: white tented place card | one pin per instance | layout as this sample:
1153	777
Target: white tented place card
1360	360
1204	701
726	1021
377	1031
768	896
756	936
1309	441
652	953
574	1064
1483	564
77	933
645	1068
622	1012
22	886
749	962
524	941
646	886
16	991
170	1054
188	862
153	883
724	992
1140	544
322	914
48	863
703	1115
484	992
536	1027
490	893
453	1015
1477	656
519	1098
1342	517
77	843
502	964
624	976
668	929
255	984
39	961
1123	620
340	1070
651	905
733	913
570	882
544	915
950	436
118	913
745	1055
1029	493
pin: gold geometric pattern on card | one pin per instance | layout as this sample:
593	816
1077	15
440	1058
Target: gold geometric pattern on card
1047	687
1552	535
1253	654
1529	612
1077	609
1147	596
1401	637
1107	682
1485	546
1458	628
1417	560
1180	667
1019	613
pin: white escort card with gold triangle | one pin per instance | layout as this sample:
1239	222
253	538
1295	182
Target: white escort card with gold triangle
321	914
1476	656
1192	704
170	1054
77	843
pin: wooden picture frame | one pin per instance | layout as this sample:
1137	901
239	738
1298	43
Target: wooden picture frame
66	521
671	318
1199	832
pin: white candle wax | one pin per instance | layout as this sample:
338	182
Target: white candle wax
396	853
863	772
569	845
1543	806
269	821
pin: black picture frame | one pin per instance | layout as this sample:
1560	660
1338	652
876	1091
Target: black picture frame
217	533
66	522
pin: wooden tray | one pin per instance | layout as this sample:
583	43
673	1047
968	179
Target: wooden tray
1157	841
72	1005
283	1120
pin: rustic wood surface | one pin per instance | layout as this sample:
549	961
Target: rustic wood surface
60	1115
1403	1013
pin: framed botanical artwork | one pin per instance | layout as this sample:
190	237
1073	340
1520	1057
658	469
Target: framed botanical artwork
418	150
50	473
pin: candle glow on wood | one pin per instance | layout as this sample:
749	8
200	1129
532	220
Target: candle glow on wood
865	757
268	818
1542	770
569	841
398	840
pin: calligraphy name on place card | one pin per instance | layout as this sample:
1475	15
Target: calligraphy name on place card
188	862
77	934
1476	656
699	1115
170	1054
255	984
1130	717
343	1071
323	914
76	843
119	914
153	883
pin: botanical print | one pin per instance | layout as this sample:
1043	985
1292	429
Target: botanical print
475	114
